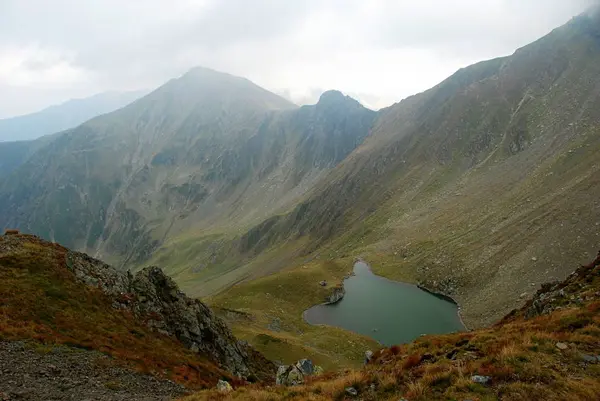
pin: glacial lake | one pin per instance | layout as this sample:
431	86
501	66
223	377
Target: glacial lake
388	311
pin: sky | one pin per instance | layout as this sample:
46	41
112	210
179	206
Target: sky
378	51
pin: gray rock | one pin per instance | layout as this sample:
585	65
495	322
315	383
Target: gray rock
289	376
336	296
562	346
351	391
224	386
306	366
323	283
155	298
588	358
481	379
368	356
68	373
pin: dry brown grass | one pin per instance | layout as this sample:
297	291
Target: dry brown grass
43	302
520	356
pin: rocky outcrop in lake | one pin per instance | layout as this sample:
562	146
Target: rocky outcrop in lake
336	295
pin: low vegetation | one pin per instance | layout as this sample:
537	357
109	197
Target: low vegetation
268	313
552	356
43	303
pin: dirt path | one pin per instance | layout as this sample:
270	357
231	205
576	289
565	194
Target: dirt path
30	371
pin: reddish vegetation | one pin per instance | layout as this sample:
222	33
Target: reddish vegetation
547	351
42	301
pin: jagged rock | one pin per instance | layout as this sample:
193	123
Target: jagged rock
289	376
224	386
452	354
155	298
306	366
336	296
368	356
351	391
481	379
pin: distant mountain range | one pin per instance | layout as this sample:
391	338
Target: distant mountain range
63	116
460	188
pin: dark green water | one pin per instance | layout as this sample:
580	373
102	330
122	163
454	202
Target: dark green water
387	311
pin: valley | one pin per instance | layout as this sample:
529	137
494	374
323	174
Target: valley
387	311
216	217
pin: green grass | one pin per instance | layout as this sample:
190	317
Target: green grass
285	296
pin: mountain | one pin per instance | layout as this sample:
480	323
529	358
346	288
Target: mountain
207	151
462	187
95	331
459	188
63	116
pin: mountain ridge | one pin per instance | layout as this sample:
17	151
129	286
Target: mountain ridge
60	117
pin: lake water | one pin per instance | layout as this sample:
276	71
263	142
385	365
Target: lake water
388	311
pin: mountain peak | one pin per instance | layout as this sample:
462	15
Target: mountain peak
204	72
331	96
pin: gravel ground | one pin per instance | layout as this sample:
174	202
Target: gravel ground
31	371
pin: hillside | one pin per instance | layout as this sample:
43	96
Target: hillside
74	313
63	116
549	350
205	153
483	187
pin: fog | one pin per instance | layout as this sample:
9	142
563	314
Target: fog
378	51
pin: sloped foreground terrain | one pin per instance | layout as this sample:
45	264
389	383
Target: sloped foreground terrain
71	327
85	325
547	350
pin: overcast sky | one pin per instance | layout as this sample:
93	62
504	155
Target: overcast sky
378	51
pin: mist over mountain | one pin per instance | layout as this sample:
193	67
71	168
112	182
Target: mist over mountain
63	116
481	193
204	150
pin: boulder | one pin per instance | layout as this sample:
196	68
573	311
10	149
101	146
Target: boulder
351	391
336	296
481	379
224	386
562	346
305	366
289	376
323	283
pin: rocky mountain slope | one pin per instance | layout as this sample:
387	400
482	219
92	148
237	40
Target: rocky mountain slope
482	187
207	152
64	116
547	351
67	306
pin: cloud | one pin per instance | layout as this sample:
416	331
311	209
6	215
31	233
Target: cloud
383	50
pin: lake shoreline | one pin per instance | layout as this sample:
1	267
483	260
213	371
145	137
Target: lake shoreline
440	296
448	298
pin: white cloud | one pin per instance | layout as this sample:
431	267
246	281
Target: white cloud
378	50
33	66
